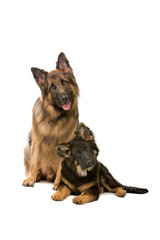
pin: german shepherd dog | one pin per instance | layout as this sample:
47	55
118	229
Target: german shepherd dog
82	174
55	119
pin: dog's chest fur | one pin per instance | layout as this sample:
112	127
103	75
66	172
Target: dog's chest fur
51	126
48	130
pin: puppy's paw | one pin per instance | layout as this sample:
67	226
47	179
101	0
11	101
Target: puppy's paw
120	192
80	200
57	197
29	182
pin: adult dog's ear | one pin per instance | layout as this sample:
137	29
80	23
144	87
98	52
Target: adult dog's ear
84	132
63	150
63	63
39	75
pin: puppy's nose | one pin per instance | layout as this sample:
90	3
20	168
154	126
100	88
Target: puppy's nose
90	163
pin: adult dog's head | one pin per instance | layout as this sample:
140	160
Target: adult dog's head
58	87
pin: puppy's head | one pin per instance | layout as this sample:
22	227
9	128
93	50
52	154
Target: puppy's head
58	87
80	153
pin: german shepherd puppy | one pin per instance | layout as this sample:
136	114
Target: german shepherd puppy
82	174
55	119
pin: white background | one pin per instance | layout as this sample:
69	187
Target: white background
114	50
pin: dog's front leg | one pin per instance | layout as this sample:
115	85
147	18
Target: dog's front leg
58	175
87	196
34	167
62	193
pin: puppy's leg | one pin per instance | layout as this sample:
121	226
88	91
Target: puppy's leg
119	191
33	171
86	186
58	176
87	196
62	193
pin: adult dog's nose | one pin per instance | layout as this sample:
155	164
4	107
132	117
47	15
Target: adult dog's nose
64	98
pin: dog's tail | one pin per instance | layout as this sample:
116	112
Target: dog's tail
110	183
135	190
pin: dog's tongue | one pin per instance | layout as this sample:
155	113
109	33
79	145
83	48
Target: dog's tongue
66	106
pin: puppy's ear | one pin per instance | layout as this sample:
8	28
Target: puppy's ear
95	148
84	132
39	75
63	63
63	150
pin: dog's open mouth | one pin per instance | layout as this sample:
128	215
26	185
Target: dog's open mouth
66	106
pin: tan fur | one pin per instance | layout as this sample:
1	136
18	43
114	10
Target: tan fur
84	132
27	156
80	171
61	132
85	197
49	129
86	186
62	193
58	175
70	185
120	192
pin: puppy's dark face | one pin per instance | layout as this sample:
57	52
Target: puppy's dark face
84	155
80	154
59	88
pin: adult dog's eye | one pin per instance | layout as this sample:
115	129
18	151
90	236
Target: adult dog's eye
52	87
63	82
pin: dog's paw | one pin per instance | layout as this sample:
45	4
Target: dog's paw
120	192
57	197
80	200
29	182
55	187
39	177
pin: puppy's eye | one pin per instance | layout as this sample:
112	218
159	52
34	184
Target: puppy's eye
63	82
78	154
52	88
87	149
75	163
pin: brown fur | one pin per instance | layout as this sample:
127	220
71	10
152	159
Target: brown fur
67	183
50	125
119	191
83	174
84	197
86	186
62	193
58	175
